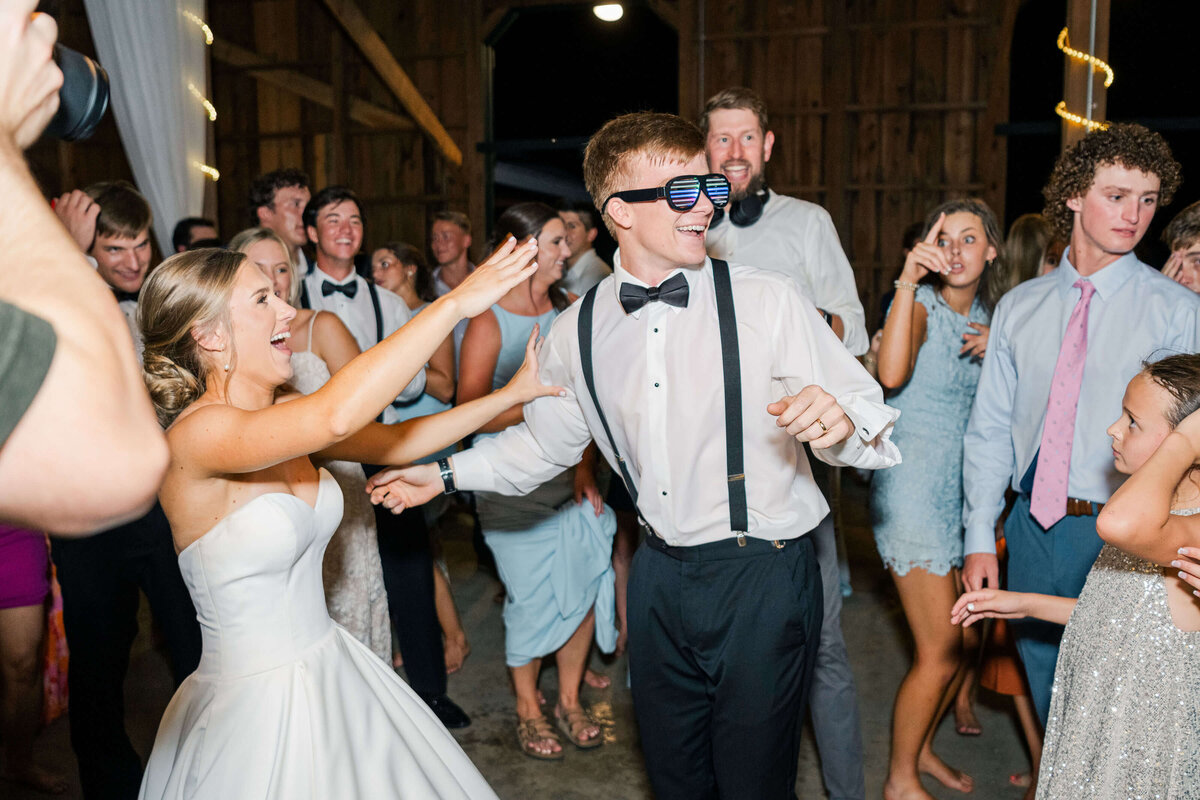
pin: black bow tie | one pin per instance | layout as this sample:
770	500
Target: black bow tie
673	292
349	289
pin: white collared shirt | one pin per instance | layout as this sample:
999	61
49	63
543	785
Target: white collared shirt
359	316
1135	314
659	378
797	238
585	273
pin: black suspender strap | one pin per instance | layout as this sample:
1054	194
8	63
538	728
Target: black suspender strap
731	363
378	312
304	302
585	357
732	366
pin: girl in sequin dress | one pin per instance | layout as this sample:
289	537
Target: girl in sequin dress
1125	714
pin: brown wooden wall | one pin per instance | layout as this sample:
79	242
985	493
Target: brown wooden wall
399	175
881	108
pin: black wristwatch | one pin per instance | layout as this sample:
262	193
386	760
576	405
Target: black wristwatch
447	475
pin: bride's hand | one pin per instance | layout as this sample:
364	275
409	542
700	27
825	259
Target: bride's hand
526	385
491	280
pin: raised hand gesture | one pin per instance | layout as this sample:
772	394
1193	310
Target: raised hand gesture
78	212
29	78
926	256
510	264
525	385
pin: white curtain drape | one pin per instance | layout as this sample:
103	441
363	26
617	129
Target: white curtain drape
153	52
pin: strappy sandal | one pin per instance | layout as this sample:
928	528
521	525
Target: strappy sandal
572	724
532	731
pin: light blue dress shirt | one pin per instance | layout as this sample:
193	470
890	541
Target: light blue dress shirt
1136	314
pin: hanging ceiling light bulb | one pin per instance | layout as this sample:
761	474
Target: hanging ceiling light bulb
609	12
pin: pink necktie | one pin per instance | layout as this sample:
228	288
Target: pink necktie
1048	503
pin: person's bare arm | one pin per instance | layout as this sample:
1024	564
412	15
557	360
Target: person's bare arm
480	352
332	341
407	441
222	439
1138	517
439	373
92	414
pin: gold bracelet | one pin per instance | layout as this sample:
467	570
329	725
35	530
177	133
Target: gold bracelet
912	287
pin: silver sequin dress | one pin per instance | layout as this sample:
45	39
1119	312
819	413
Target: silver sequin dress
1125	714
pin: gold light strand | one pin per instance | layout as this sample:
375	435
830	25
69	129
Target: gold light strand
211	172
208	34
1090	124
1064	44
208	106
1097	65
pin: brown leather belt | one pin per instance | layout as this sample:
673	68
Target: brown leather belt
1082	508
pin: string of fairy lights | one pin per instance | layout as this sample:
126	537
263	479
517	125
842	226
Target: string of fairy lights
1097	65
209	108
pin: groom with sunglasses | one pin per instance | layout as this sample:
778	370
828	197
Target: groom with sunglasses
698	380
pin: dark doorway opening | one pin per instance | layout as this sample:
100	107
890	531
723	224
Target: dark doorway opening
558	73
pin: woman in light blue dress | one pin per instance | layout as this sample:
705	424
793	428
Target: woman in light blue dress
552	551
933	342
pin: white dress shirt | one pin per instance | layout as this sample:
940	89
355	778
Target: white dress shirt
585	273
659	379
1135	314
797	238
358	314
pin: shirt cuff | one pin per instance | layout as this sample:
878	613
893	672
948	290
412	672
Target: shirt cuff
871	445
979	539
472	472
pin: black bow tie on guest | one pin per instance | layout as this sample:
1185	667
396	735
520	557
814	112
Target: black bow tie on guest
349	289
673	291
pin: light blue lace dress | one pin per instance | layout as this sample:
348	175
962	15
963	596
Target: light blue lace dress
554	555
916	507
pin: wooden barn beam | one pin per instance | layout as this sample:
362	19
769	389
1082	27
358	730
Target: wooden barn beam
310	89
363	34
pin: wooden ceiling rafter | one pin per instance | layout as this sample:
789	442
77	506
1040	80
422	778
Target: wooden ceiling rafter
261	68
379	56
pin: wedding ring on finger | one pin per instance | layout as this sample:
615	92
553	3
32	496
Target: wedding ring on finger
971	607
822	424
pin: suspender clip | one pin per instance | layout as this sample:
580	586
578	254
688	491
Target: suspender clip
741	537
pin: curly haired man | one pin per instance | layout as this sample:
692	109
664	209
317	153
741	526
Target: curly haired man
1063	347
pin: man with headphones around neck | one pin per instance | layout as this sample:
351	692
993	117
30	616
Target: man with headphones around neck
796	238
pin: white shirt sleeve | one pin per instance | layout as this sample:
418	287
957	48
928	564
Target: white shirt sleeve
552	438
832	280
809	353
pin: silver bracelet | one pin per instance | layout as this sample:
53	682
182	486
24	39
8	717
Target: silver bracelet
912	287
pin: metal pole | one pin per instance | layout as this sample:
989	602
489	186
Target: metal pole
1091	78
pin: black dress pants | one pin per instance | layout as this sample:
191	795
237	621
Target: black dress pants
407	558
722	641
100	576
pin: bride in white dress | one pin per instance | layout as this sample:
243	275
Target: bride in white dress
285	703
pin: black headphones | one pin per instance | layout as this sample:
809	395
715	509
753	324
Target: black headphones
745	212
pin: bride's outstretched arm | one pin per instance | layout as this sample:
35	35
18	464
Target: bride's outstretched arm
223	439
416	438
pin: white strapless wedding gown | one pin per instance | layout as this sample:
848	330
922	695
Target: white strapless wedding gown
285	703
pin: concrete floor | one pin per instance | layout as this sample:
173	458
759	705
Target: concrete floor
879	650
